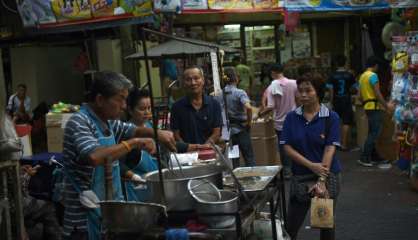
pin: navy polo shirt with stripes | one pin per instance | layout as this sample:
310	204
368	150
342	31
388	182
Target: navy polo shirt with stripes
308	137
196	126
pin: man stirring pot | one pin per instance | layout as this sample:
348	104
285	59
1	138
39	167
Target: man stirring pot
91	136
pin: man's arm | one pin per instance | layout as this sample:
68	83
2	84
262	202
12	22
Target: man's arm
10	104
165	137
249	111
214	137
177	136
217	123
269	103
379	95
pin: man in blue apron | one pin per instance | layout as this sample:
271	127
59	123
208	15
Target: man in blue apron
91	136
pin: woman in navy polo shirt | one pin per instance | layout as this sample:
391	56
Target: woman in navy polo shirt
310	136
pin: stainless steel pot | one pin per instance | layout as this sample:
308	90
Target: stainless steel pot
175	185
227	204
131	217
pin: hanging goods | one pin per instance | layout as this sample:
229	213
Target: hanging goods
400	62
400	86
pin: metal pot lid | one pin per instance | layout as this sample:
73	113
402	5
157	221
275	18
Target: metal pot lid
202	190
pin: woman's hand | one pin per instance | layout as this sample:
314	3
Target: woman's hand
146	144
319	169
319	190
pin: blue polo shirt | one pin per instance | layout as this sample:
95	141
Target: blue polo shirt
308	138
195	126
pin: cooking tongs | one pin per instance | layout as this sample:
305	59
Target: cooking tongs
230	170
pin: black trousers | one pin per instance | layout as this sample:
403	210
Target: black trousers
298	210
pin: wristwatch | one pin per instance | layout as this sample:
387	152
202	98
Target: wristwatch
322	179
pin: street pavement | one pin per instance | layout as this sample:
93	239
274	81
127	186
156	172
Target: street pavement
374	204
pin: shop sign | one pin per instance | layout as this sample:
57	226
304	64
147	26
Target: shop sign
232	4
215	73
195	4
38	12
335	5
403	3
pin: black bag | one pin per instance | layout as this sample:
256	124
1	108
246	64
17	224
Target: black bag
300	185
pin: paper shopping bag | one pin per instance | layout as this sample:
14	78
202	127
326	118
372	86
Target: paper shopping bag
322	213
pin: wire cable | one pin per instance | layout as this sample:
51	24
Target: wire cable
8	8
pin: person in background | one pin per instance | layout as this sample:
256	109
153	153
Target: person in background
168	72
19	105
310	136
239	113
92	136
374	105
281	99
196	118
341	84
139	162
245	75
37	211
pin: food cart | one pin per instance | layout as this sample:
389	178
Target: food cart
169	186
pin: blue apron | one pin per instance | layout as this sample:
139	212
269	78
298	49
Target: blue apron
98	180
146	164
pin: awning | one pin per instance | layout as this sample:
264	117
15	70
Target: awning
180	47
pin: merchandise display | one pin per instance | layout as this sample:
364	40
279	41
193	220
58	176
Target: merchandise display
71	10
61	107
137	8
232	4
405	95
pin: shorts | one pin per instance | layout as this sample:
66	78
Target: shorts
344	109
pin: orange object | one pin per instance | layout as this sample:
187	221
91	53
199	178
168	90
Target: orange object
23	129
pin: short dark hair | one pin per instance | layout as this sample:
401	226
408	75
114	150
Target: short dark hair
340	60
135	95
303	69
21	85
372	61
230	74
107	84
276	67
317	82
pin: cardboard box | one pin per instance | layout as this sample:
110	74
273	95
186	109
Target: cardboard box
385	145
55	124
55	139
57	119
263	128
361	125
265	150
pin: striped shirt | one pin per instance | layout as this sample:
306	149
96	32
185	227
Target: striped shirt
235	102
81	139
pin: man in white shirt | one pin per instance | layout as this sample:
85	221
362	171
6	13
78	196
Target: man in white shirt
281	99
18	106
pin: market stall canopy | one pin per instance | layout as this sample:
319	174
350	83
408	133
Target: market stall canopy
179	47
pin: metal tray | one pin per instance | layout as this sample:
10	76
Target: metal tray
254	179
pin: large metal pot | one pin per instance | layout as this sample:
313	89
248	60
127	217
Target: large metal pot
175	185
227	204
131	217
